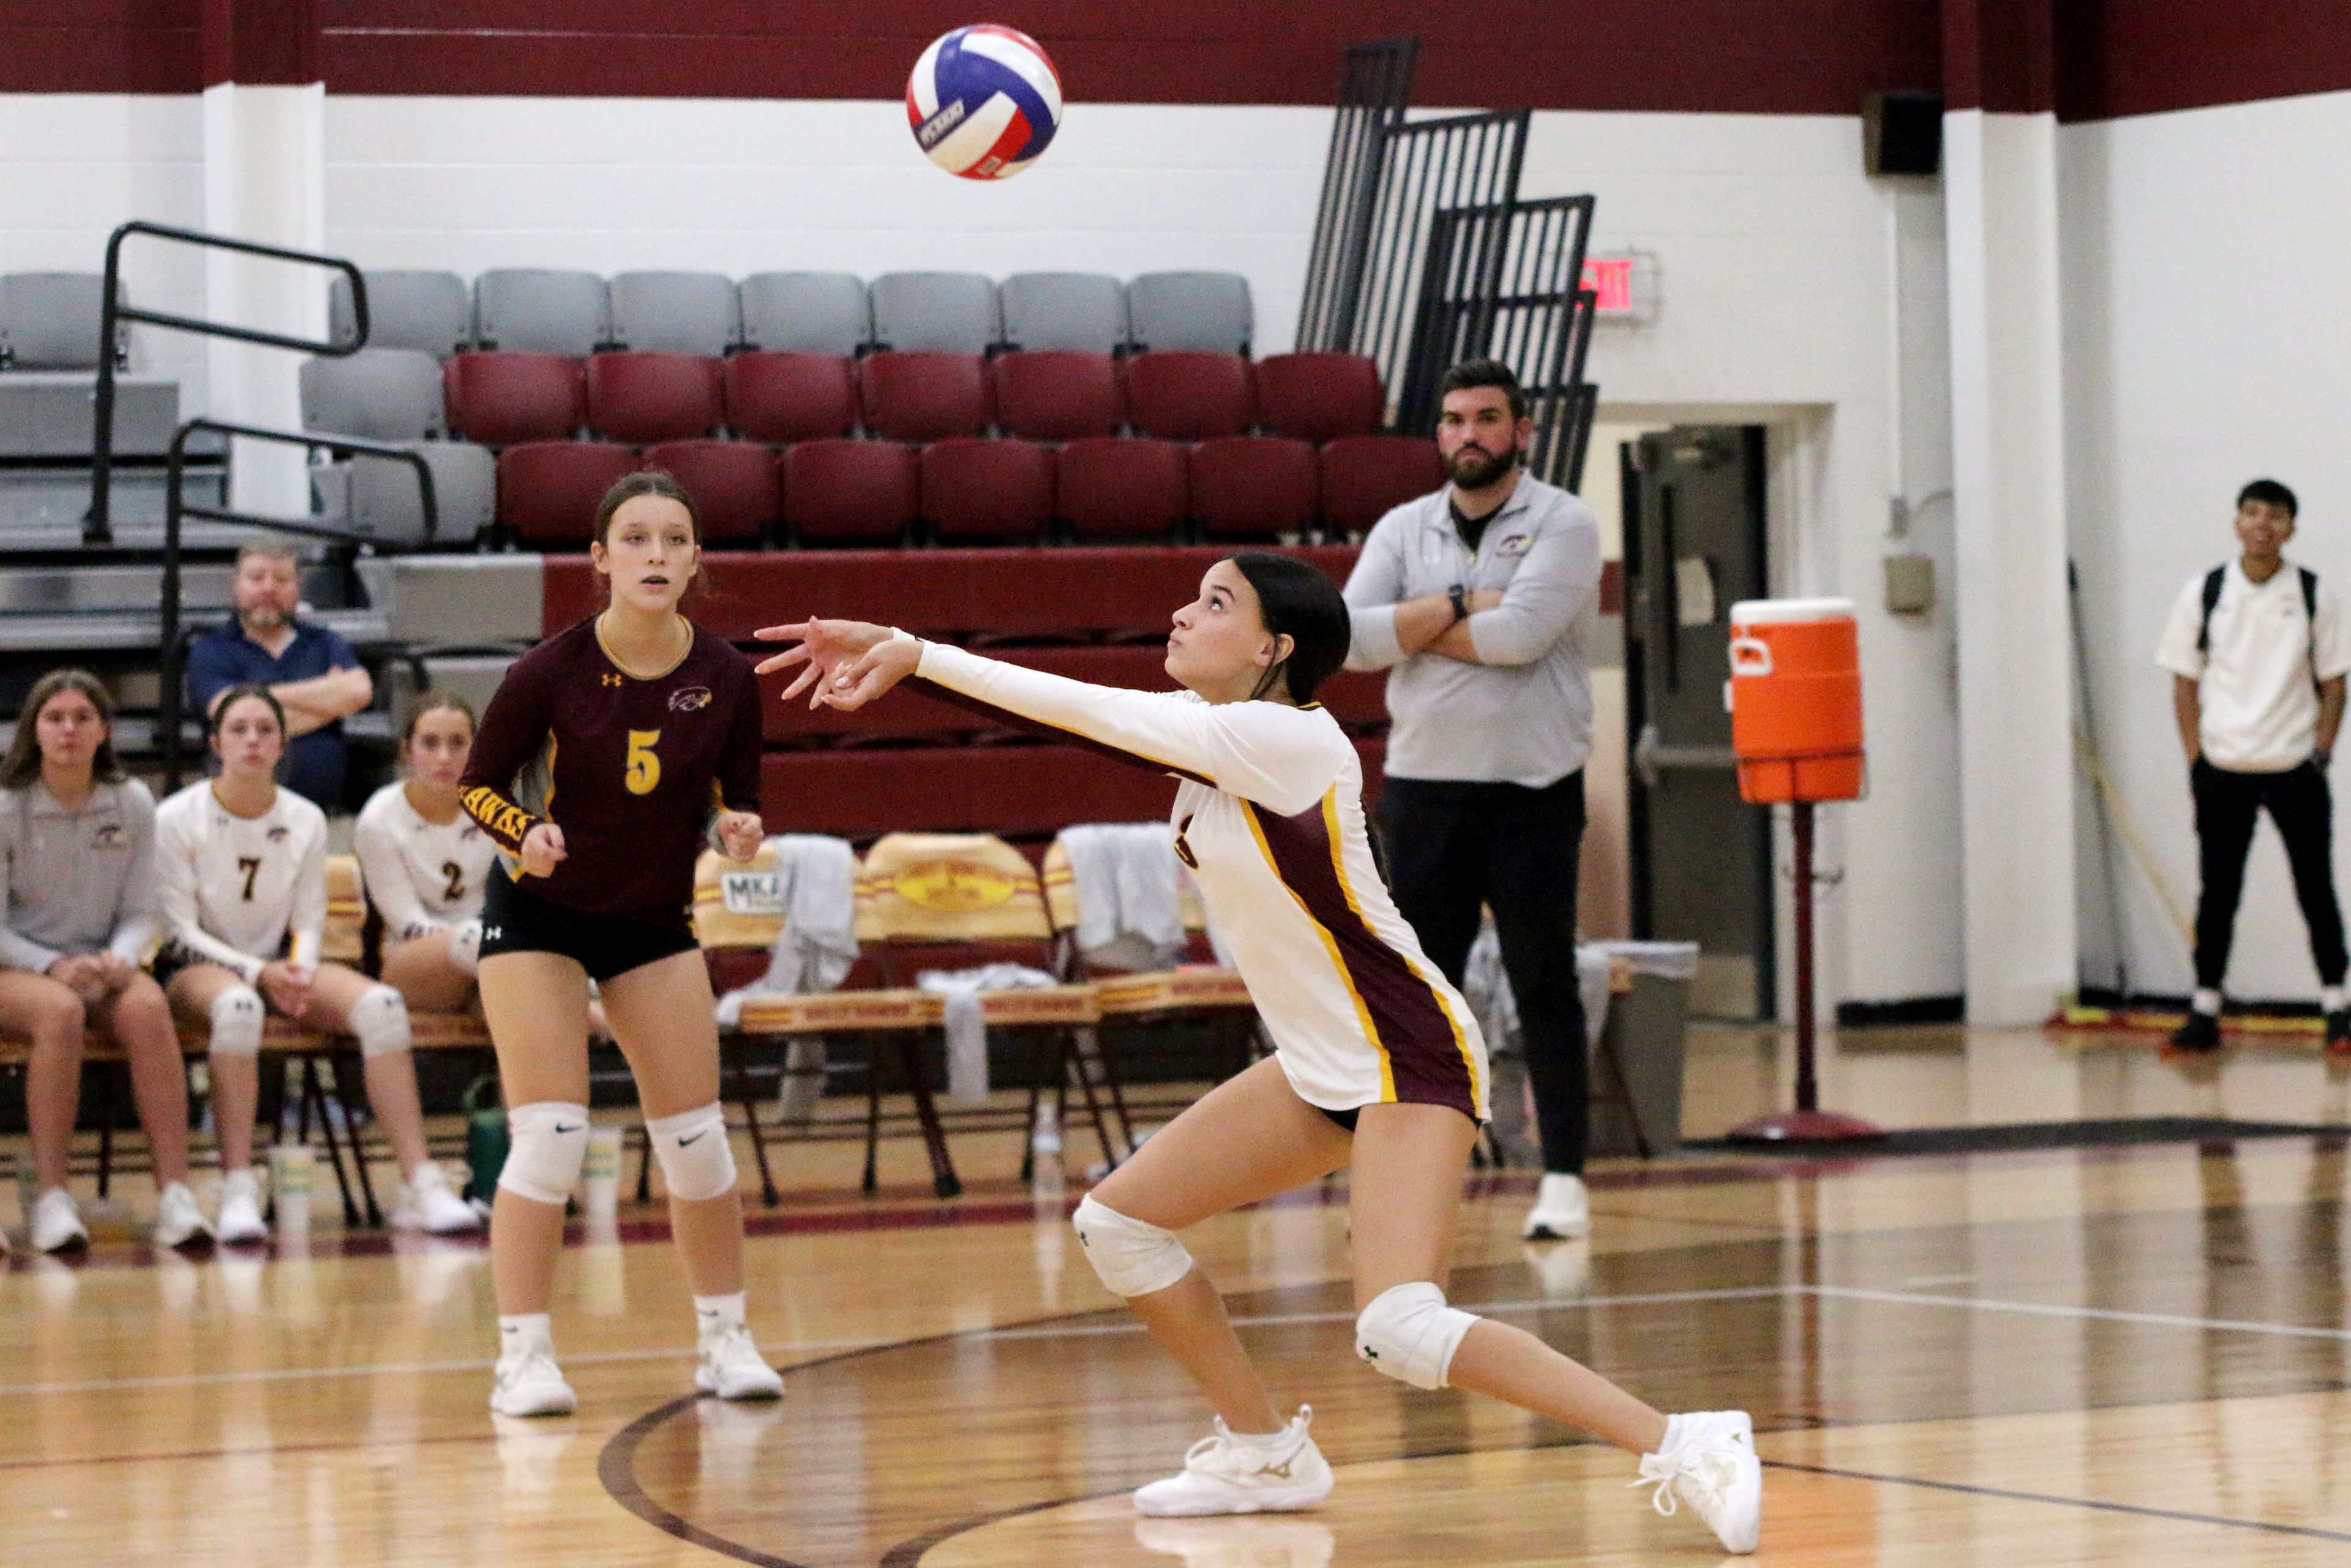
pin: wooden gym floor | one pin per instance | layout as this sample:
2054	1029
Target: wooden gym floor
2111	1355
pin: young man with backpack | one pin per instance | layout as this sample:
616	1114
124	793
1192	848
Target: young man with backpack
2258	649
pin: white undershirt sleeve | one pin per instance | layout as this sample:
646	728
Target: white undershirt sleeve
175	887
384	871
1281	757
136	916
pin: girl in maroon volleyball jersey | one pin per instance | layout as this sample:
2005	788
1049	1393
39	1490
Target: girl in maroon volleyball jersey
611	753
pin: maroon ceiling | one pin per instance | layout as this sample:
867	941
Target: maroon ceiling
2089	58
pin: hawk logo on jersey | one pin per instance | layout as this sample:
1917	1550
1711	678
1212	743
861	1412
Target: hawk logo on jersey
278	835
690	699
1515	546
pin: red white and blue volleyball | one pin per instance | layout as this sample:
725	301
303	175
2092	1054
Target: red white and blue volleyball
985	102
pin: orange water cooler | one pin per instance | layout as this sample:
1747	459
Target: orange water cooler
1795	725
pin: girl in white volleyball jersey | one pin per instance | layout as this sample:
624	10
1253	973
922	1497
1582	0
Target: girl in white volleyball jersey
426	861
241	872
1378	1064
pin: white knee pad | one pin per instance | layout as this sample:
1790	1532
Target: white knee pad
237	1016
696	1158
1411	1334
379	1019
1132	1257
549	1140
466	946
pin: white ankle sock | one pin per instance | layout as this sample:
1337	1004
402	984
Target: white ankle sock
2331	999
714	1314
518	1329
1261	1439
2207	1002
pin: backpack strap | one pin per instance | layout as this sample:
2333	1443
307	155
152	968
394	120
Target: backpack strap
2213	581
2310	607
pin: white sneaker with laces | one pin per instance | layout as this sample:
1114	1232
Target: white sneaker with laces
1707	1460
427	1202
178	1220
1227	1473
56	1223
733	1368
530	1384
1562	1210
240	1210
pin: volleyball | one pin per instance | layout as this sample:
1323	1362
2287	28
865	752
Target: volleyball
984	102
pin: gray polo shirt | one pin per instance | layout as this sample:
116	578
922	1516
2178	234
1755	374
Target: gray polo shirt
1523	715
76	882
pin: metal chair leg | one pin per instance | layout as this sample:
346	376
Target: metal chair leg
872	1179
1074	1054
1092	1034
944	1181
313	1093
644	1162
106	1115
346	1090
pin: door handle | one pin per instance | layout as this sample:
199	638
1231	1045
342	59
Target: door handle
1652	756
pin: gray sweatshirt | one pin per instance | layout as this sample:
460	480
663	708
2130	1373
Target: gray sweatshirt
1523	715
76	882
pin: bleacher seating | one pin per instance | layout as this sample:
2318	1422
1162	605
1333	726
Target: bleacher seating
786	395
1320	397
843	491
51	321
981	488
638	396
548	490
677	312
499	398
934	312
1363	475
383	394
431	312
925	394
1253	487
1121	486
732	483
1058	394
545	310
1190	395
1208	311
806	312
1072	312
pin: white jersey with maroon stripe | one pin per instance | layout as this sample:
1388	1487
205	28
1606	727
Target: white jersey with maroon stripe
233	889
1269	817
421	875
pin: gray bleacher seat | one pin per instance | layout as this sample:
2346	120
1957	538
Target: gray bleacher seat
50	320
385	394
940	312
806	312
380	496
1208	311
541	310
681	312
432	312
1082	312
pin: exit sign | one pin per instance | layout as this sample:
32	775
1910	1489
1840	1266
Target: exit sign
1625	285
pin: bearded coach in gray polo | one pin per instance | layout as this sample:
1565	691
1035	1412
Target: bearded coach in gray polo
1475	599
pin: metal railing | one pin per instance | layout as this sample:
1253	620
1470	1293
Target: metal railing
176	511
1375	85
100	527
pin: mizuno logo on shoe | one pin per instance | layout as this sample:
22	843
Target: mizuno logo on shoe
1280	1472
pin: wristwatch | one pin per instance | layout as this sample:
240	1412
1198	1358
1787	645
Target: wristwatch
1461	597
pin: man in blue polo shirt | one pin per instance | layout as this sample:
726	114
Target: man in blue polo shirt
310	668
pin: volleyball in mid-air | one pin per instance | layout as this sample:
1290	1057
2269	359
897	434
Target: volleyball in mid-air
984	102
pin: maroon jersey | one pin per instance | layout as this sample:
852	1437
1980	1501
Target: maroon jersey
631	770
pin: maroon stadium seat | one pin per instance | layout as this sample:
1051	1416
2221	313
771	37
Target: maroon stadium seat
548	490
782	397
1253	486
918	396
1120	487
1320	397
646	396
1056	396
847	492
1187	396
1363	475
733	484
497	398
975	488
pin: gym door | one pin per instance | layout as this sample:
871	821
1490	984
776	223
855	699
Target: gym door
1701	858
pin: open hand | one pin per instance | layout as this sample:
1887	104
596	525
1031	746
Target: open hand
542	849
881	667
825	647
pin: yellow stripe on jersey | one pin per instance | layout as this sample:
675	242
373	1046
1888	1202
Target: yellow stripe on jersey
1330	944
1355	906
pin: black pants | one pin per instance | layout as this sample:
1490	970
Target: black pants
2299	802
1454	846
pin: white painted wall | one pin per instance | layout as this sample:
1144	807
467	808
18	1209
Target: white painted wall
74	165
2208	342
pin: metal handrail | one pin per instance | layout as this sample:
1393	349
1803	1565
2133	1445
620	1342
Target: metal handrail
176	510
99	528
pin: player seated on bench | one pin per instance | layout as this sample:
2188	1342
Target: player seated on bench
425	861
77	915
241	866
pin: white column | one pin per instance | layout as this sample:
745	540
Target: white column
265	178
2016	763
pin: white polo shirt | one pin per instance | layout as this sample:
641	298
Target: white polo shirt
2260	707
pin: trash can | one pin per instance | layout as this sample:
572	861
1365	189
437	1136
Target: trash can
1636	1042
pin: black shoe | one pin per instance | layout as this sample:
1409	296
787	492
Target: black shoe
2201	1032
2338	1032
